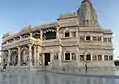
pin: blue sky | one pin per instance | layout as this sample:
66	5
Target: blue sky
15	14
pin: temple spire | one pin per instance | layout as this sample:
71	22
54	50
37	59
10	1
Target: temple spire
87	14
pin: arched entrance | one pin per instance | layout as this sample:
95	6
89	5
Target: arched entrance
5	57
24	56
49	33
14	57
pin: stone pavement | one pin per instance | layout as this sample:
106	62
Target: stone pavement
42	77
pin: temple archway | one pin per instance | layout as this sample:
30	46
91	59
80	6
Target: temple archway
49	33
5	57
24	55
14	57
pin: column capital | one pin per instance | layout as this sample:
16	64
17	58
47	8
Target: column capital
19	48
30	44
34	46
9	50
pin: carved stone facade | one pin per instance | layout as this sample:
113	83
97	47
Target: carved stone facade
75	39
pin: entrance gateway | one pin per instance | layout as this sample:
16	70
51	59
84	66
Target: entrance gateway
47	58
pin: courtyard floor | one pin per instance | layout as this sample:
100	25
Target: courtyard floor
42	77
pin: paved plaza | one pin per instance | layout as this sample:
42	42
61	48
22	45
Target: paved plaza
41	77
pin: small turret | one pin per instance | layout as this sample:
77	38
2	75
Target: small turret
87	14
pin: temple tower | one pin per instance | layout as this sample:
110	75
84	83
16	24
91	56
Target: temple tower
87	14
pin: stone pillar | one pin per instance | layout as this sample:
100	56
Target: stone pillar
41	34
91	57
37	56
57	33
19	60
78	57
85	58
60	55
34	55
103	58
2	59
43	59
30	56
51	57
9	54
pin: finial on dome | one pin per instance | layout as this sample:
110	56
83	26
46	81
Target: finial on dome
85	1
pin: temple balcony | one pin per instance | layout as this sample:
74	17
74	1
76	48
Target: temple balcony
23	41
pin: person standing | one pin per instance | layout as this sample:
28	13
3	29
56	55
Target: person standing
86	67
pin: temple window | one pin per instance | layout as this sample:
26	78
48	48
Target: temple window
56	56
17	38
36	34
88	38
94	58
99	38
82	57
94	38
67	56
67	34
106	57
73	56
88	57
25	35
111	57
87	22
11	40
3	60
105	39
49	33
73	34
99	57
109	40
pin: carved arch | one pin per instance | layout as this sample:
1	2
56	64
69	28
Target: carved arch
67	32
14	57
24	55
